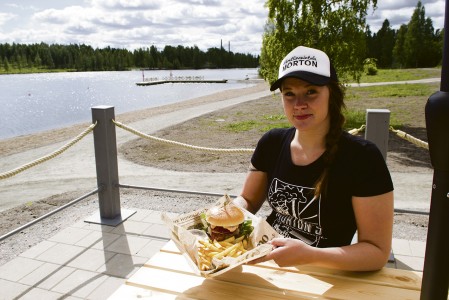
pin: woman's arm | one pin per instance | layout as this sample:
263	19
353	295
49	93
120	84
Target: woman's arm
254	190
374	217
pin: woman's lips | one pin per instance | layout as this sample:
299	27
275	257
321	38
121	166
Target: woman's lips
301	117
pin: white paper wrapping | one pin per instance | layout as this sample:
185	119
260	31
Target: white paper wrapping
187	242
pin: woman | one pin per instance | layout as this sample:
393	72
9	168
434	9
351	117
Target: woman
323	184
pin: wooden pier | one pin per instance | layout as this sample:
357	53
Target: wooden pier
175	80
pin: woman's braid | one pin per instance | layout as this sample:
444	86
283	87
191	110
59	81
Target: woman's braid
337	120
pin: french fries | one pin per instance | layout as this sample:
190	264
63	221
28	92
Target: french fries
208	250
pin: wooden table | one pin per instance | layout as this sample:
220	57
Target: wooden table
167	275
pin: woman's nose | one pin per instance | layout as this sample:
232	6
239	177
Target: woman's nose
300	102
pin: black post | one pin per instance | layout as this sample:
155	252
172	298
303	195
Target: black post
435	280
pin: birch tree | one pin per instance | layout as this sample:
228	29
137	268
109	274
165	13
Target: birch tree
335	26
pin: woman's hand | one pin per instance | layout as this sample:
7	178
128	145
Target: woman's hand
288	252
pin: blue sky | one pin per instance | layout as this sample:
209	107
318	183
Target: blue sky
133	24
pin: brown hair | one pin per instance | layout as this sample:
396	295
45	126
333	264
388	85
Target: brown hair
337	120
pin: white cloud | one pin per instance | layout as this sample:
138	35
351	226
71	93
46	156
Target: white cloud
126	4
5	17
399	12
133	24
52	16
22	7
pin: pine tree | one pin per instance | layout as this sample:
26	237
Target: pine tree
420	44
399	60
385	44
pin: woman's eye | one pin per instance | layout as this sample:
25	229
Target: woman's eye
311	92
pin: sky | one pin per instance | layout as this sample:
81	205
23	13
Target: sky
133	24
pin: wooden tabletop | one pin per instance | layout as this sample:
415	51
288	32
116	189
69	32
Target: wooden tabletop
167	275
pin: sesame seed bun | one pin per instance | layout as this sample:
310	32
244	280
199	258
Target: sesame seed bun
227	215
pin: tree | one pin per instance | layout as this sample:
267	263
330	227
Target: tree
414	37
37	60
336	27
385	44
6	64
399	59
439	37
370	43
420	43
85	58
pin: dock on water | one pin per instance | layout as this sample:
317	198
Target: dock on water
179	79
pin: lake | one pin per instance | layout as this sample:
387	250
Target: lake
31	103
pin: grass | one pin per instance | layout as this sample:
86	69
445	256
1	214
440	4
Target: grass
391	75
243	125
354	119
14	70
264	124
405	102
394	90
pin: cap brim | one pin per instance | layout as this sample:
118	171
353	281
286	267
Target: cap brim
306	76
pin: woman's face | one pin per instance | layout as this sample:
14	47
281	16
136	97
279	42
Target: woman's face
306	106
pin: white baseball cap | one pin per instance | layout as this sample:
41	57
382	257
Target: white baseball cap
308	64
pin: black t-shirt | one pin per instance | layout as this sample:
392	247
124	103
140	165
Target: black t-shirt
359	169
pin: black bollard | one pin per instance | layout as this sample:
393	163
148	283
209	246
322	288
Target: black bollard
436	263
435	280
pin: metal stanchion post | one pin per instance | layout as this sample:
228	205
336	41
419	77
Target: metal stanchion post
377	128
107	169
436	262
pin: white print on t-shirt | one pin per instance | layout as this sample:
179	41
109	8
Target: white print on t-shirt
297	211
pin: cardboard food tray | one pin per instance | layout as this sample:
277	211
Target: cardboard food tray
187	242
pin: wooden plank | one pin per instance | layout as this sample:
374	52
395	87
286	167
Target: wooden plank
291	283
386	276
170	261
332	287
197	287
144	83
135	293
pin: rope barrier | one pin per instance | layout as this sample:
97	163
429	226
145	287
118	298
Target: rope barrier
399	133
143	135
36	162
354	131
49	156
357	130
410	138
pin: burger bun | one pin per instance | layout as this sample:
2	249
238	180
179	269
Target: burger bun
225	216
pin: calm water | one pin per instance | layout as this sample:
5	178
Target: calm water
31	103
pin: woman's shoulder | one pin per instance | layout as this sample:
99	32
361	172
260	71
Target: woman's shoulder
280	132
354	145
276	137
354	140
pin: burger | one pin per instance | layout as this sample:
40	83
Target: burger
223	222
